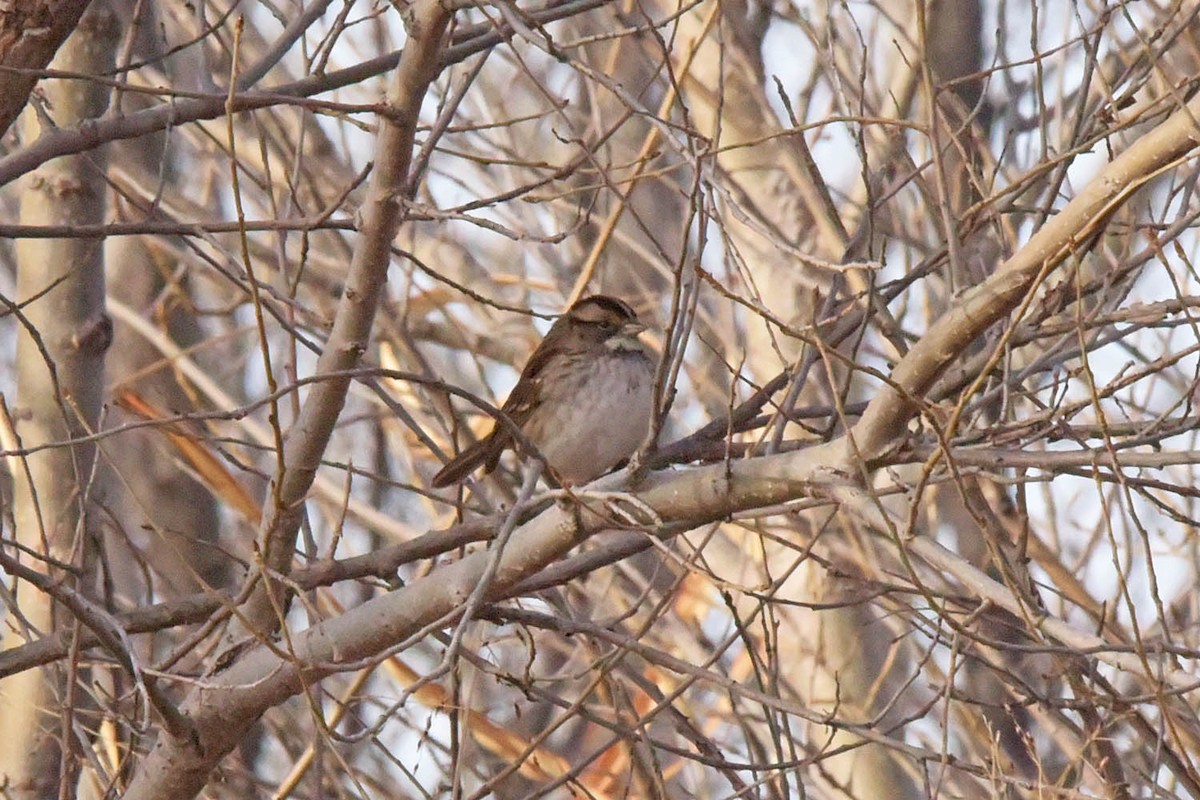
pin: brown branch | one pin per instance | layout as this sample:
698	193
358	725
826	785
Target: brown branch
31	32
888	415
179	767
381	563
65	141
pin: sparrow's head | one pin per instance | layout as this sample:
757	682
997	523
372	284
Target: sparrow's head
604	321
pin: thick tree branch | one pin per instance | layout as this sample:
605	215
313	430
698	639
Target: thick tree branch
262	679
888	415
180	767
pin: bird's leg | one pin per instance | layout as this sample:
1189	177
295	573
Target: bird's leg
624	507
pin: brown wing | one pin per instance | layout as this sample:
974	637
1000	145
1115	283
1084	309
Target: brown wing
524	398
465	462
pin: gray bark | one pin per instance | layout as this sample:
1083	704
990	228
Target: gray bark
60	377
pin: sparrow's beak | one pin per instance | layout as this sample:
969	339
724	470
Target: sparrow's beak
632	329
626	339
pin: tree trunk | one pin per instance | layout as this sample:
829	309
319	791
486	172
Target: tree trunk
60	376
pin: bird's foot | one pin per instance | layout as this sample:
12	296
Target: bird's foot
625	508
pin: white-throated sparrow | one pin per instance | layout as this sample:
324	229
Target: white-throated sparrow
583	400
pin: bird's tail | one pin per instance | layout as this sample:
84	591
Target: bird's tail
486	451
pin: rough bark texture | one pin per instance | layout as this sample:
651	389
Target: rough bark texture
31	32
60	378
